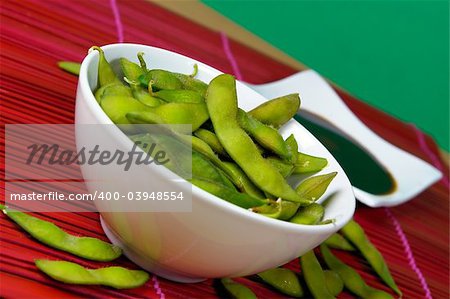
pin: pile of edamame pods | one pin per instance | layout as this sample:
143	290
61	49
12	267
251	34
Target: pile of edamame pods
238	156
152	97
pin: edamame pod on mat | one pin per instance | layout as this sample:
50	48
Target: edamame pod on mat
49	234
314	276
221	100
333	281
237	290
70	67
106	74
284	280
277	112
72	273
352	280
337	241
354	232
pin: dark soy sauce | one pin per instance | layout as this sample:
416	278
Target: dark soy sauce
362	170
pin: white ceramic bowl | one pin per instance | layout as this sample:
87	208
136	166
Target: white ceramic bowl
216	239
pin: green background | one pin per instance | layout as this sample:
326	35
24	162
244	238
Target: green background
391	54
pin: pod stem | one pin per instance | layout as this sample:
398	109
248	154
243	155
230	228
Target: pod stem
150	88
142	62
195	72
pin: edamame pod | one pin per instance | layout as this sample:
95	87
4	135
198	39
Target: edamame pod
106	74
240	199
310	215
117	107
162	79
72	273
354	232
221	100
284	280
267	137
288	209
352	280
190	83
53	236
314	187
172	113
333	281
306	163
70	67
241	180
237	290
292	147
277	112
130	70
179	96
142	95
113	89
271	209
282	166
314	276
211	139
338	242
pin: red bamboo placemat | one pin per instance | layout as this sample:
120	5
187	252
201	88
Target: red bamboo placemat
414	238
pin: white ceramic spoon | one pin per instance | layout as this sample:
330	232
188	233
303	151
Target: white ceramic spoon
411	174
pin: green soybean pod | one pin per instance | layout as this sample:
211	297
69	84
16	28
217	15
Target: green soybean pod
354	232
288	209
284	280
337	241
162	79
172	113
190	83
211	139
267	137
70	67
314	187
311	214
314	276
282	166
179	96
237	290
226	193
106	74
292	147
130	70
277	112
113	89
333	281
72	273
117	107
352	280
306	163
241	180
53	236
270	208
221	100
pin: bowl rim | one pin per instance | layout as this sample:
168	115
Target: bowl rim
208	198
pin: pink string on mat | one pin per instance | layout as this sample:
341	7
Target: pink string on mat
117	20
157	287
434	159
408	252
230	56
